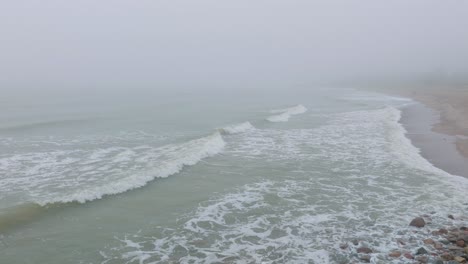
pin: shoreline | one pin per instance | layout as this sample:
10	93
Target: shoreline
437	124
439	149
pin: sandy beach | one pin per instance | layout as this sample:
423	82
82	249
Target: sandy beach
439	125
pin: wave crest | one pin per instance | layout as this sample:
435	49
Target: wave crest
237	128
284	114
179	156
105	171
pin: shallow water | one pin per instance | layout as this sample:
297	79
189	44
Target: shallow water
284	177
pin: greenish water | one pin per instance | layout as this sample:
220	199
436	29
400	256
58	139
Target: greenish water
280	177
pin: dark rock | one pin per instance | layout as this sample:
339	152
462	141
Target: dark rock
451	217
463	228
418	222
344	246
438	261
421	251
355	242
364	250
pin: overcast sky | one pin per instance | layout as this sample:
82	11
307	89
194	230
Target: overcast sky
109	43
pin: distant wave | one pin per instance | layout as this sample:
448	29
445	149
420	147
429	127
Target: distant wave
237	128
283	115
39	125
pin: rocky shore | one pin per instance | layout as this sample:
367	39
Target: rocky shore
425	243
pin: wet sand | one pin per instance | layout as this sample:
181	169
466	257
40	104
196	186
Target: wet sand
439	148
438	125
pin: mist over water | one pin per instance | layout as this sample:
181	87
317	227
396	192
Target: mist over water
198	180
121	45
219	132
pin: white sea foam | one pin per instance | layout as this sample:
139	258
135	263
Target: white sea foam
237	128
283	115
378	184
81	175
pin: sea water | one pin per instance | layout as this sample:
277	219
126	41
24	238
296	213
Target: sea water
272	176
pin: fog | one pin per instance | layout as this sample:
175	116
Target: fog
165	44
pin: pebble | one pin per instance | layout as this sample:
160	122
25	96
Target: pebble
446	256
421	251
422	259
444	241
418	222
364	250
443	231
460	243
365	258
395	254
453	248
408	255
447	245
438	246
428	241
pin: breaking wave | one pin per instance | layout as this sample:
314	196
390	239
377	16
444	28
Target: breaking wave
47	176
236	129
81	175
283	115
